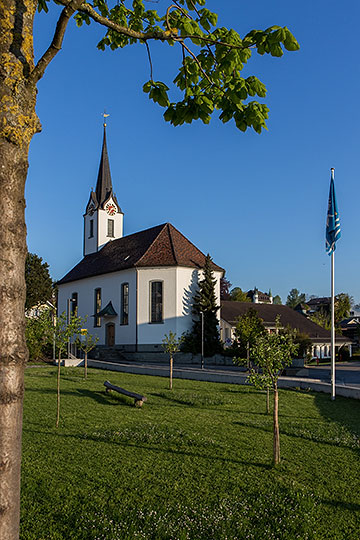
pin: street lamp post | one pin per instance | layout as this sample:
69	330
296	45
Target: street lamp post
202	339
54	324
68	320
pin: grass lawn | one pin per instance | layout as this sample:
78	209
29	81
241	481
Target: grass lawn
192	463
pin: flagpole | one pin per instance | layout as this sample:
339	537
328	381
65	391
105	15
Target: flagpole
333	315
333	325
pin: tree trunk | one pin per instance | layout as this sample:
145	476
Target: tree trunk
58	390
248	355
276	426
18	123
267	400
171	372
85	365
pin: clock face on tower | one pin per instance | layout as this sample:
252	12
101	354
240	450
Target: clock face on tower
110	209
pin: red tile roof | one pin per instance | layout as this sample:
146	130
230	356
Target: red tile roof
159	246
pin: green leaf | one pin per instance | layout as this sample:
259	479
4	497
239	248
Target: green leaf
42	6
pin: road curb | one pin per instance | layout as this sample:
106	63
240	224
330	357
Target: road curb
219	376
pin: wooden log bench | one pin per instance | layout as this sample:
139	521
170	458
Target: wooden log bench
138	398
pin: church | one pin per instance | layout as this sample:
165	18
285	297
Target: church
132	289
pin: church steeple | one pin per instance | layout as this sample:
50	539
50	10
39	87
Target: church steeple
104	184
103	218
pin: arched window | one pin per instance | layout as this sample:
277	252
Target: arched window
124	314
97	307
74	304
156	301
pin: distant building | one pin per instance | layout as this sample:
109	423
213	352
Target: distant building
258	297
316	304
321	338
350	328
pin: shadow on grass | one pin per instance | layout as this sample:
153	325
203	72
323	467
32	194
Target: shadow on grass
159	450
105	398
293	434
170	398
342	505
342	411
195	400
99	396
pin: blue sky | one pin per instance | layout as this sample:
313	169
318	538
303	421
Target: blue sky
256	203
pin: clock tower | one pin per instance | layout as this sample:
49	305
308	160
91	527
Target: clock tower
103	218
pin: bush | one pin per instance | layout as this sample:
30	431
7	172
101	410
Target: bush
39	336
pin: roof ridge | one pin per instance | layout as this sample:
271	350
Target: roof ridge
171	242
134	234
153	242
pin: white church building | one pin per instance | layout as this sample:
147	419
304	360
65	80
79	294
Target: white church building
133	289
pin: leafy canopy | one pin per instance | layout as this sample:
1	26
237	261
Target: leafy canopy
212	57
272	352
84	340
171	344
238	295
39	285
294	298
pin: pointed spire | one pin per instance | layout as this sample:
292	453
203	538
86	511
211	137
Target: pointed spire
104	184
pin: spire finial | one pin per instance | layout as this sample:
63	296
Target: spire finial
105	116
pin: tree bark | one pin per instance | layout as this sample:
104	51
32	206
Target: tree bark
171	372
18	123
276	426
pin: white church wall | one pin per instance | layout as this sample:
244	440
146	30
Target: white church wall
90	243
186	287
179	286
153	333
110	285
103	218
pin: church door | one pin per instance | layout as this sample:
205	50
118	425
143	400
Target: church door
110	334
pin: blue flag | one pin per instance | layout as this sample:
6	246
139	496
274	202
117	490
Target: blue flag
333	231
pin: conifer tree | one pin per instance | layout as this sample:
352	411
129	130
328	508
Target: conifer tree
205	302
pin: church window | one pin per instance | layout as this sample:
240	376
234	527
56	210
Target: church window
124	317
156	302
97	307
74	304
110	231
91	233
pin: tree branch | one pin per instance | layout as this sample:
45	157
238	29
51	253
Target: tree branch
104	21
150	62
185	71
70	8
168	13
198	63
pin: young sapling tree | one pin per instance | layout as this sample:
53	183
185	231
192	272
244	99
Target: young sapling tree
171	345
86	342
272	352
64	330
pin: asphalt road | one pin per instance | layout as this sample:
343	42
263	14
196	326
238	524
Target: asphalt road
347	373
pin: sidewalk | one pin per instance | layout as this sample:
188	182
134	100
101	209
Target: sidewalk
223	374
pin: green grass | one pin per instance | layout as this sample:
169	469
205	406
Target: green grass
192	463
